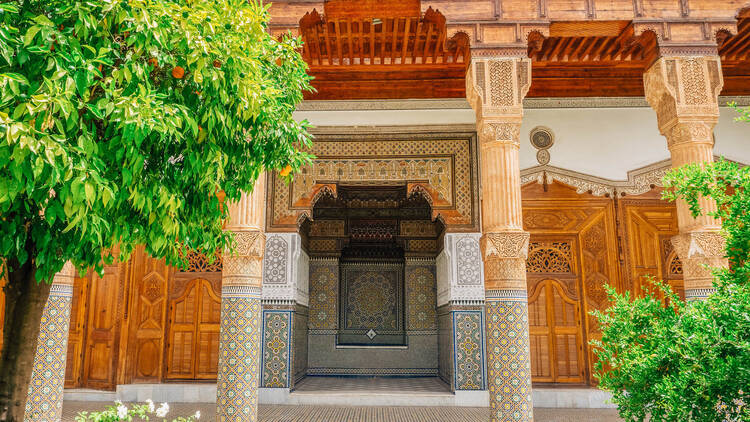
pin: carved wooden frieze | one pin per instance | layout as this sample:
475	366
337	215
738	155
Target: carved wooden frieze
441	170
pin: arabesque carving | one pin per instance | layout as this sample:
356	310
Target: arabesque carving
700	253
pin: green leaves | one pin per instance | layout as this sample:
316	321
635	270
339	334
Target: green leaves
103	144
687	362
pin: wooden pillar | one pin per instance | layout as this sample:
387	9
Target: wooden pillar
496	87
45	397
239	338
684	93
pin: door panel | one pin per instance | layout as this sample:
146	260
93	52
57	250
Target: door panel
555	331
193	345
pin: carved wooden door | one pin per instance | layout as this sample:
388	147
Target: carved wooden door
147	318
102	329
74	359
193	339
555	335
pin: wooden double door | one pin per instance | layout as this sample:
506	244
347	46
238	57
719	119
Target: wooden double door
143	322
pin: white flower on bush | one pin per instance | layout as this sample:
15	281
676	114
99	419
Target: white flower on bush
198	414
151	406
162	410
122	411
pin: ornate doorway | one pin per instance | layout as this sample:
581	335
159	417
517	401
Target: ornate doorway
373	293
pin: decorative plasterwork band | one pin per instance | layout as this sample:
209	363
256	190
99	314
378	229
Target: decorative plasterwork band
440	166
639	181
285	270
459	270
460	103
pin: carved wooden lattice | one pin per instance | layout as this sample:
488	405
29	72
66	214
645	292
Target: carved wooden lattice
549	257
198	262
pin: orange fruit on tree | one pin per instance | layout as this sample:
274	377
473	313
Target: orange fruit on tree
217	64
153	62
178	72
285	171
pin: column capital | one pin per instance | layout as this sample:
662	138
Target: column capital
504	256
700	252
684	92
496	87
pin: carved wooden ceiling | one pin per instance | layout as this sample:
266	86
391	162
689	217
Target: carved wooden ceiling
361	53
377	49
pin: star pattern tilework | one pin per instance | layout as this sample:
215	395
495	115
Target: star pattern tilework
468	350
239	355
276	353
45	397
508	364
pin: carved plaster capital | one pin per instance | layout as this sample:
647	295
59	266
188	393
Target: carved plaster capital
503	132
505	245
702	244
700	253
250	243
684	91
496	86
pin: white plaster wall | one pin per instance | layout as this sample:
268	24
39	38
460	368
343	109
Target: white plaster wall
732	138
609	142
605	142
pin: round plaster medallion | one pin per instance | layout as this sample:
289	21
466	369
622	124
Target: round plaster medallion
542	156
542	137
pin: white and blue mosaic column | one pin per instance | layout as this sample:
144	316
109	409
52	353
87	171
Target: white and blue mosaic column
240	330
285	301
461	313
507	326
45	398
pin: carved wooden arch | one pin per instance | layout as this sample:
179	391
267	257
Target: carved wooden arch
422	190
440	167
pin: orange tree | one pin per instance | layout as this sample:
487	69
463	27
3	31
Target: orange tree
120	121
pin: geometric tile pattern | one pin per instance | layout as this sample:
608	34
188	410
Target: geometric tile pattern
446	165
420	297
276	349
275	260
468	350
299	343
508	363
324	288
445	345
45	398
239	353
371	299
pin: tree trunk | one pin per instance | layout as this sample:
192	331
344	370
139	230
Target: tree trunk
24	303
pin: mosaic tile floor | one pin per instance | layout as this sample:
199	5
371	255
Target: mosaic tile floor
269	413
390	385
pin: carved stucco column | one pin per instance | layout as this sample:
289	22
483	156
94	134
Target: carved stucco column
45	398
239	338
684	92
496	87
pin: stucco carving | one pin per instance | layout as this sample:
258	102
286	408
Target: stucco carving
285	270
700	253
684	92
505	245
459	270
249	243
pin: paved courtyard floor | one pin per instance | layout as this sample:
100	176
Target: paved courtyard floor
272	413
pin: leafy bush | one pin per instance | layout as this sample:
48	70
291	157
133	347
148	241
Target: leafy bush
687	361
121	412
